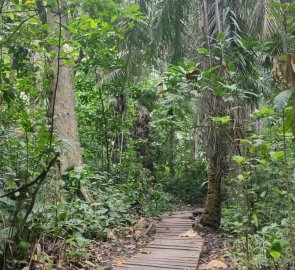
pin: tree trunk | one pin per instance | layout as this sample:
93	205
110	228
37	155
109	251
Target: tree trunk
140	132
212	213
214	137
170	142
218	150
63	115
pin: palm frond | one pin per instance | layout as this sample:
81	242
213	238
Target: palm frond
169	28
107	76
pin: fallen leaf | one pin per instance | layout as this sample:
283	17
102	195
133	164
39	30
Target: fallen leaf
220	258
143	251
190	233
120	260
111	235
216	265
136	234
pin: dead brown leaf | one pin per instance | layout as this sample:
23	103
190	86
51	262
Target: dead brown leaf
216	265
111	235
143	251
190	233
136	234
119	260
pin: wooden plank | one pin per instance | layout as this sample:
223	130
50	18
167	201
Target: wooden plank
144	267
169	265
170	248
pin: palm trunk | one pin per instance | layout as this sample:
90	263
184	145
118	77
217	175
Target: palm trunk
217	151
212	213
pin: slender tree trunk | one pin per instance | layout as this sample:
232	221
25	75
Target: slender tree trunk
140	132
106	143
119	105
170	143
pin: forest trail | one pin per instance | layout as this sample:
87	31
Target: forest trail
175	246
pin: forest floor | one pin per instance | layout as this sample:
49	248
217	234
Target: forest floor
118	247
214	250
103	255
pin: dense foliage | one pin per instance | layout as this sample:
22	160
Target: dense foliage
171	98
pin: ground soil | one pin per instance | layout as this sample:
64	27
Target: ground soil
114	250
215	246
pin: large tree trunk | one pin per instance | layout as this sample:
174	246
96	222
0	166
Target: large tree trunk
63	115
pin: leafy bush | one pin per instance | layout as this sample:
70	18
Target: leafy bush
262	221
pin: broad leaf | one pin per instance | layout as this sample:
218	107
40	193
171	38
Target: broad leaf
275	254
281	100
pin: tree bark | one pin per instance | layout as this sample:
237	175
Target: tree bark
170	143
212	212
62	109
140	132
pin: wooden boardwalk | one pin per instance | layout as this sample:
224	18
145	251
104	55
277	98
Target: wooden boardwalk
176	246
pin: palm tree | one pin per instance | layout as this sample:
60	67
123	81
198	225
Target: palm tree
222	142
158	40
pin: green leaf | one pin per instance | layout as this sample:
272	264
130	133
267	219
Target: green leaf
275	5
202	50
264	111
290	120
90	263
93	24
221	120
7	201
255	219
23	246
220	37
276	255
281	100
208	72
70	240
239	159
33	21
277	190
231	87
277	155
11	16
114	18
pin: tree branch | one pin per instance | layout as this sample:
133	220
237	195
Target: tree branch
17	28
40	178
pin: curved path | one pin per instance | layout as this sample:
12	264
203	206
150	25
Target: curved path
176	246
